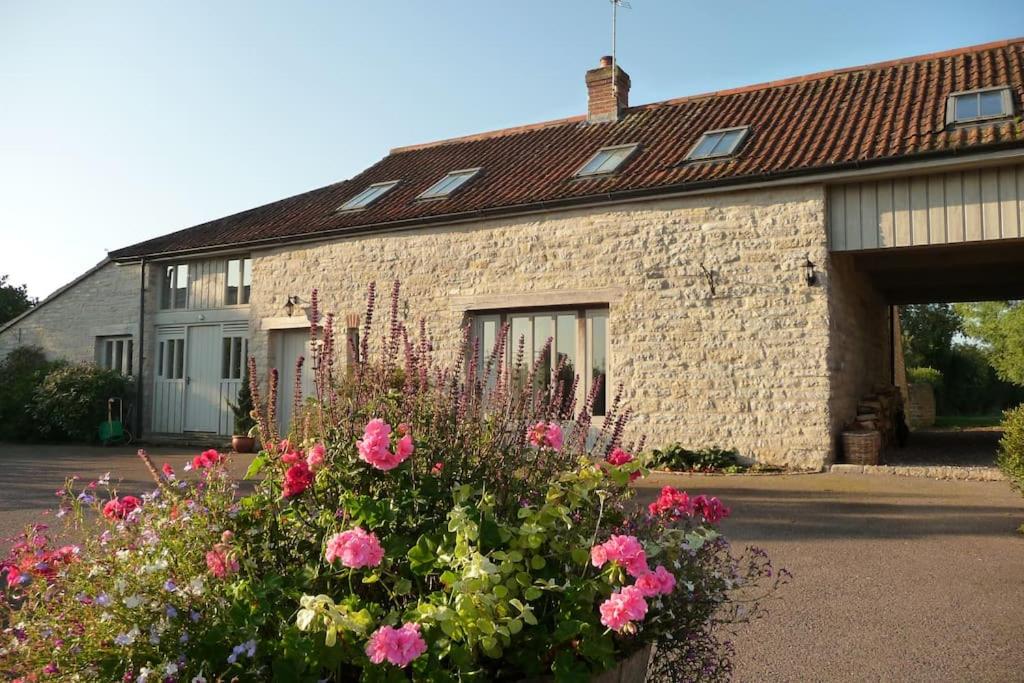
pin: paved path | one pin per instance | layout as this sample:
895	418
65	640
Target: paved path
896	579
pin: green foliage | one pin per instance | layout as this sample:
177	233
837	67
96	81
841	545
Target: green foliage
999	325
14	300
243	407
1011	447
680	459
924	376
21	371
928	332
71	401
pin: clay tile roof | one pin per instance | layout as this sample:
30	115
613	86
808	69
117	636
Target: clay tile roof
874	114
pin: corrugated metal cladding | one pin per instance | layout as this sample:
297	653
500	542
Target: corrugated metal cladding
947	208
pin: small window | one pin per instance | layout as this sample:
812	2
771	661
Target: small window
239	281
718	143
448	184
979	105
171	359
368	196
607	160
115	353
233	355
174	287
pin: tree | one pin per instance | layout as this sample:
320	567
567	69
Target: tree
13	300
999	326
928	331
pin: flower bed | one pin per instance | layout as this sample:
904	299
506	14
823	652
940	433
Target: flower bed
417	522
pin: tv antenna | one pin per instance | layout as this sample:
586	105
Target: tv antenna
615	15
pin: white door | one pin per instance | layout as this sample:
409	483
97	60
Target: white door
202	380
291	344
169	385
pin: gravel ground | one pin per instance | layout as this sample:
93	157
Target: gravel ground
967	447
894	578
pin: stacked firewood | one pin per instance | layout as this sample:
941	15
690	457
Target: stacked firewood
878	411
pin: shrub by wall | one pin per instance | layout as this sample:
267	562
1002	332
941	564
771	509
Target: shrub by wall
1011	447
71	401
21	371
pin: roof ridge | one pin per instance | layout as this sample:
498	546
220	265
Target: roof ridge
765	85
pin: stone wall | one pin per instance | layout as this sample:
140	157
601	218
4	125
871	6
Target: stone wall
858	357
746	366
921	408
104	302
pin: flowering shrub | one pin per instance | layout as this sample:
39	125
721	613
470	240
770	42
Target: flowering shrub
416	522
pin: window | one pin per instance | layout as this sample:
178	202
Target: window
174	288
448	184
579	344
368	196
170	362
607	160
115	353
979	105
718	143
239	281
234	351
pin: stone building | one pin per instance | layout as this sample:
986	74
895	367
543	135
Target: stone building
731	259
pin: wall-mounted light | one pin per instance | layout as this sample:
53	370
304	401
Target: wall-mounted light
289	307
810	275
709	277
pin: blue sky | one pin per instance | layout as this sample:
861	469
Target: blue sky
120	121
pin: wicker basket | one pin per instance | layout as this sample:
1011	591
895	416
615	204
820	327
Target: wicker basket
861	447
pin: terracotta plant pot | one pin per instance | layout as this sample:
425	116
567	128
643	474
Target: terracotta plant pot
243	444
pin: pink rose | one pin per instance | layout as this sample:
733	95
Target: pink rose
623	607
545	435
355	548
396	645
221	561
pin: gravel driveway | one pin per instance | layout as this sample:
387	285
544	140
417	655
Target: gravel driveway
896	578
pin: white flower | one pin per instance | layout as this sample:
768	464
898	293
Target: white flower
196	585
199	679
133	601
171	669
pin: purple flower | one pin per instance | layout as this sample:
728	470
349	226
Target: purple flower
171	612
170	586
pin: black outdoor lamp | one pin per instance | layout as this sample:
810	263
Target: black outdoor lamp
809	273
289	307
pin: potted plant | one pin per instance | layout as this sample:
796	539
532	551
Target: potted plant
243	440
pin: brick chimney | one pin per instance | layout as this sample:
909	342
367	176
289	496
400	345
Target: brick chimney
605	103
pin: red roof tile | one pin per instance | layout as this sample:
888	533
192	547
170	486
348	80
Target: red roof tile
861	116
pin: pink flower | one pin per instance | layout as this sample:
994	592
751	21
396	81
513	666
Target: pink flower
710	508
659	582
291	457
221	561
437	469
619	457
207	458
119	508
397	645
315	457
168	471
672	501
545	435
623	607
355	548
374	447
297	479
624	550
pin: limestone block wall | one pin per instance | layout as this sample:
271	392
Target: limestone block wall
745	366
921	408
104	302
859	357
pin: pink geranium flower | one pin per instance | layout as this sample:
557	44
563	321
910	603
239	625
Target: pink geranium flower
355	548
623	607
315	457
545	435
168	471
675	504
627	551
221	561
119	508
659	582
375	446
207	458
297	479
396	645
619	457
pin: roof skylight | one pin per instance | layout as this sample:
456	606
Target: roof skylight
979	105
718	143
606	160
448	184
368	196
